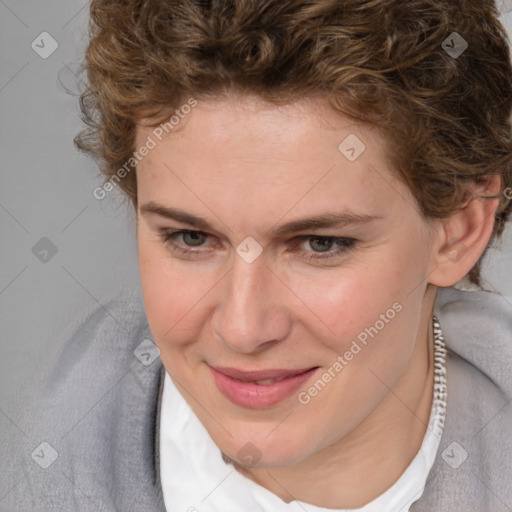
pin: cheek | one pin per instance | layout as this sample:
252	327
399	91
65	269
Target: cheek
342	305
172	293
363	313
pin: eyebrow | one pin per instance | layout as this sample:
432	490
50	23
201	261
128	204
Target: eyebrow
326	220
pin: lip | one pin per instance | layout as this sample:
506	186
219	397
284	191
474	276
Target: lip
259	396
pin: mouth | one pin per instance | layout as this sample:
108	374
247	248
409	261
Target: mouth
259	389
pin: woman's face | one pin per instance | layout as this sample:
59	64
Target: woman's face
303	259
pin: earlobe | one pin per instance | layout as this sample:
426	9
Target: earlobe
464	236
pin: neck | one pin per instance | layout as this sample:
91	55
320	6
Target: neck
373	456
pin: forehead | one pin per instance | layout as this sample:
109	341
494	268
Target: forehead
249	122
250	129
245	155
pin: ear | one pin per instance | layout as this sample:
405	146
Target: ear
463	237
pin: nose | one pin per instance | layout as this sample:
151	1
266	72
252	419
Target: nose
251	313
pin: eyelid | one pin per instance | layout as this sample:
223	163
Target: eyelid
342	249
169	234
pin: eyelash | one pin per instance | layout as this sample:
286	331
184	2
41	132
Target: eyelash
345	244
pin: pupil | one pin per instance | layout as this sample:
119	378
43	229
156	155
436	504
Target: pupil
324	244
194	237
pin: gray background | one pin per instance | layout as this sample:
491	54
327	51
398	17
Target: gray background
46	191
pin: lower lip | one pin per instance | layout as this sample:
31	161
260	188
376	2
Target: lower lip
255	396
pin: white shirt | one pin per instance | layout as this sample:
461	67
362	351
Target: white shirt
195	478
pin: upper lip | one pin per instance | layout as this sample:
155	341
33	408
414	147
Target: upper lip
254	375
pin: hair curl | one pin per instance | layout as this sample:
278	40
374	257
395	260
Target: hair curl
446	120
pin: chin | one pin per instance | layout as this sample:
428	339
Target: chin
280	452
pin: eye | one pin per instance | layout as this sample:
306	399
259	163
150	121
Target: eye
193	238
321	244
325	247
189	237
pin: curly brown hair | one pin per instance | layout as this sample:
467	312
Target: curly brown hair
445	117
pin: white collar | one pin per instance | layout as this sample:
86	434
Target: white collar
195	478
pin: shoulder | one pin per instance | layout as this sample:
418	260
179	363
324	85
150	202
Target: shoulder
472	469
90	430
477	326
99	351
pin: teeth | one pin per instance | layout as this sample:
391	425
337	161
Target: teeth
265	382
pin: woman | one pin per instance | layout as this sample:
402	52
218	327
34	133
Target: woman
310	179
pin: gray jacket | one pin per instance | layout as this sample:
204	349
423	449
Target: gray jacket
88	441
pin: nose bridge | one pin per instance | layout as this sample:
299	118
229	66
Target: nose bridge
248	313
